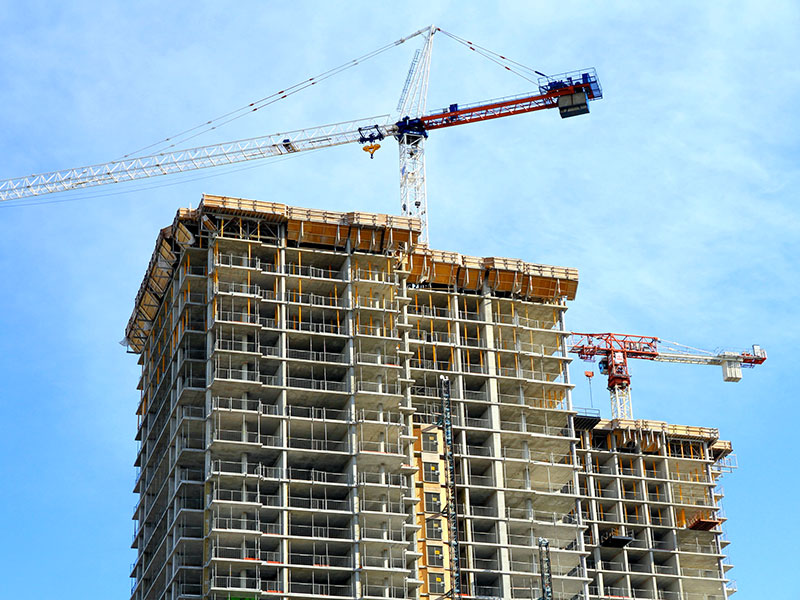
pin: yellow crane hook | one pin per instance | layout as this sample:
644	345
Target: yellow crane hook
371	148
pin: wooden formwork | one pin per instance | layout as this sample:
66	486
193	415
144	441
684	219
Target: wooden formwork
472	273
530	280
365	231
368	232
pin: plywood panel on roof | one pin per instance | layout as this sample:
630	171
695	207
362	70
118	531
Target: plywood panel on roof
269	211
315	215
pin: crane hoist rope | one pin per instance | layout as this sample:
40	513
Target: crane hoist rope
274	97
569	92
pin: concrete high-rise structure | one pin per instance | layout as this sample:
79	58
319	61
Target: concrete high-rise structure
293	444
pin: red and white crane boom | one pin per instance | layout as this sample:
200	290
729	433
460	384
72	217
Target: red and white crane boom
615	349
569	92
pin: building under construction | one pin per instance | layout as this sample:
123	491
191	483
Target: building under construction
331	408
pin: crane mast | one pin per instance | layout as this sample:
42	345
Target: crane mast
413	101
615	349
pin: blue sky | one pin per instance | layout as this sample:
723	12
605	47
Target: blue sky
675	198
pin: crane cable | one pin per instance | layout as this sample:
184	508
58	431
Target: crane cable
265	101
498	59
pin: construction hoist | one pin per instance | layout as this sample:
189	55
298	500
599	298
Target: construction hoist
450	509
545	569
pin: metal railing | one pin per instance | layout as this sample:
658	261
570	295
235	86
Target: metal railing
378	388
315	531
314	327
372	275
383	506
236	316
385	478
376	330
319	503
429	311
233	287
377	359
228	344
315	299
320	560
320	589
318	445
318	476
383	533
236	260
381	447
384	562
308	271
320	413
331	357
317	384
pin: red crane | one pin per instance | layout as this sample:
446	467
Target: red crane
615	349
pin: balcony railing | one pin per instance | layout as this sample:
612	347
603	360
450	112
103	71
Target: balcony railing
314	299
383	533
380	591
329	357
376	330
314	327
314	531
307	271
235	260
383	562
235	523
387	479
233	287
236	316
381	447
440	337
378	359
375	387
318	413
383	506
319	445
317	384
372	275
320	589
318	476
320	560
429	311
319	503
235	582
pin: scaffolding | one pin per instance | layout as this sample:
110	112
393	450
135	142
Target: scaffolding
291	425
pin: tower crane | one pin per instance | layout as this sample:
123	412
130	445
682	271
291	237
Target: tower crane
615	349
569	92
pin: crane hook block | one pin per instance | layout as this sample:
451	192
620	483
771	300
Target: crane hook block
371	148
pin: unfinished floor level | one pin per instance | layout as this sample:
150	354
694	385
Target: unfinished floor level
292	437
